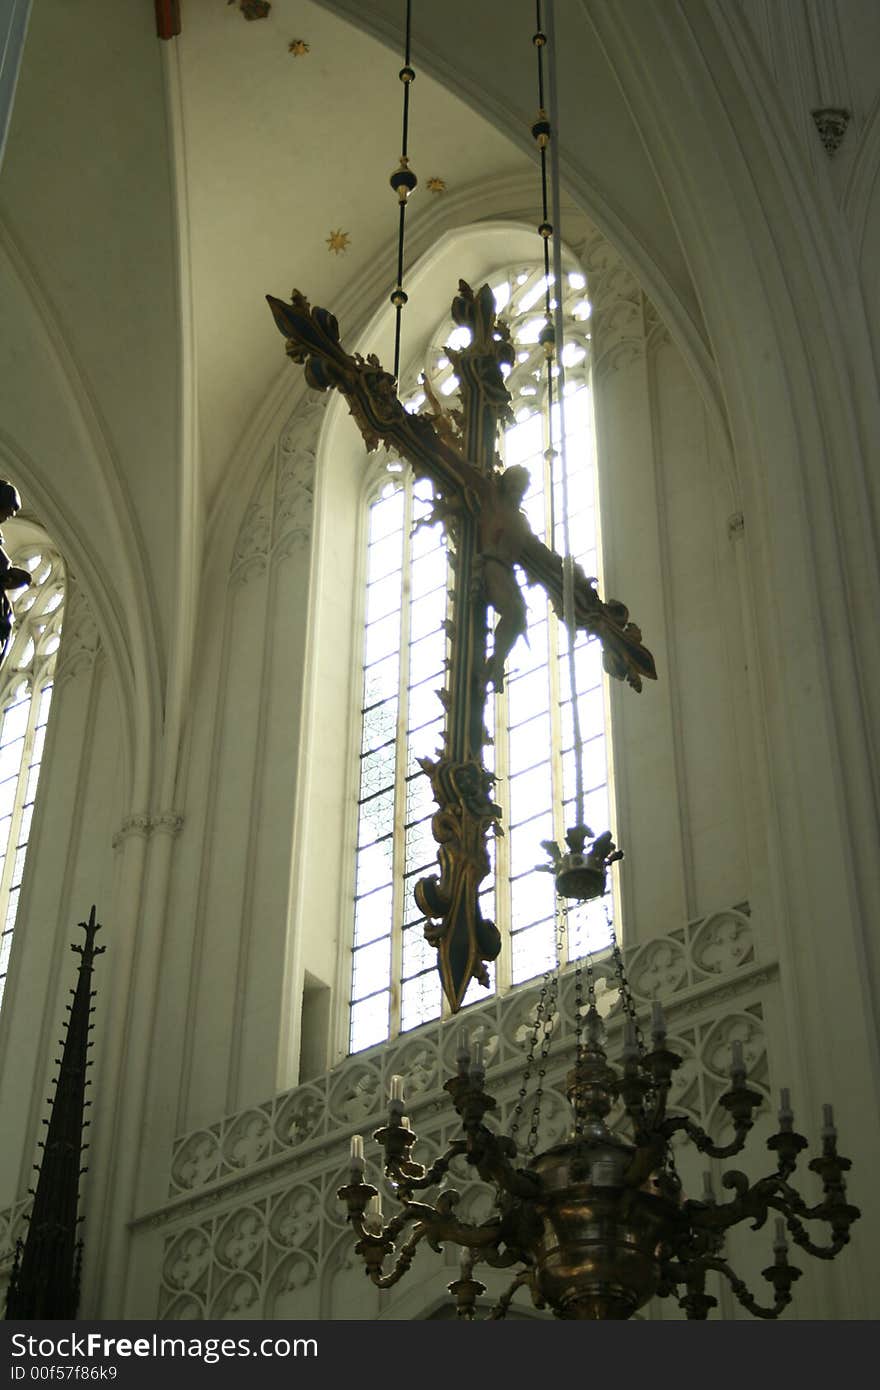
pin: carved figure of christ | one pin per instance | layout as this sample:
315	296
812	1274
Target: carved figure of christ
479	505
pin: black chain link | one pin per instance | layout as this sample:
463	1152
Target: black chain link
530	1056
623	983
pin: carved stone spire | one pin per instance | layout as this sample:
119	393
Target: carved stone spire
45	1278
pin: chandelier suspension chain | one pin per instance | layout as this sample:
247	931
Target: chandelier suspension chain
550	1016
623	982
402	181
552	339
530	1055
559	339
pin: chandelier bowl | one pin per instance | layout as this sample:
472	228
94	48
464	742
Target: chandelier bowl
597	1255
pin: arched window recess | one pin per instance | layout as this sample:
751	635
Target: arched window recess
395	985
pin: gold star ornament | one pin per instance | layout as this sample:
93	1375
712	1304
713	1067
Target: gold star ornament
436	185
298	47
338	241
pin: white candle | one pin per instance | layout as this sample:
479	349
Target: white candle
786	1115
828	1130
374	1214
477	1055
397	1088
780	1244
738	1065
658	1023
357	1150
463	1053
708	1193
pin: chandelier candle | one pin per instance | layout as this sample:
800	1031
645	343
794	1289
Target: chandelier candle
786	1115
357	1154
658	1024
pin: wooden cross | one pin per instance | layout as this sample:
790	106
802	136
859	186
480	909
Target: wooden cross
477	501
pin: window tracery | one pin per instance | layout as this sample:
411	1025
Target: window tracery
26	682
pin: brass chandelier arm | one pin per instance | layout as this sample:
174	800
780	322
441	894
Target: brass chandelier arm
504	1302
405	1257
754	1202
414	1177
800	1236
488	1152
678	1123
781	1275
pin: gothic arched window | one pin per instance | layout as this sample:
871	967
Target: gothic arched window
25	696
395	985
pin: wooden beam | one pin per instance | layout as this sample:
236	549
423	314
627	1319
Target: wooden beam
167	18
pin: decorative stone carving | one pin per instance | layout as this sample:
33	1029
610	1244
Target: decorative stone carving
185	1309
831	123
252	546
295	1218
419	1064
618	319
286	1282
658	969
239	1297
278	521
300	1117
356	1094
519	1027
196	1161
656	332
188	1260
723	943
80	642
684	1090
248	1139
739	1027
143	824
295	482
170	823
239	1243
140	824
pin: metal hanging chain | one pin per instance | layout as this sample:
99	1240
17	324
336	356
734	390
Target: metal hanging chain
402	181
530	1055
623	982
545	1010
549	1022
552	339
583	967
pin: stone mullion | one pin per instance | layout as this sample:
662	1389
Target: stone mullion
400	764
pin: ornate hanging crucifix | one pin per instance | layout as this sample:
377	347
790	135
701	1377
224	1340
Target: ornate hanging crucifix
478	502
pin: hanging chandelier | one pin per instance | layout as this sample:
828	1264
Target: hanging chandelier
598	1225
